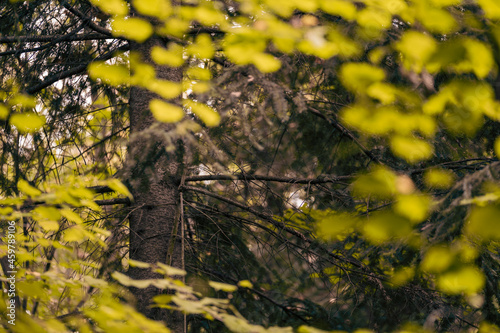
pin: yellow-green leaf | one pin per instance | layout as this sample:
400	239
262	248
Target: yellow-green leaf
266	63
4	112
110	74
359	76
208	115
170	57
484	222
380	183
165	112
245	284
411	149
413	207
156	8
112	7
27	189
28	122
222	286
118	187
439	178
132	28
468	280
437	259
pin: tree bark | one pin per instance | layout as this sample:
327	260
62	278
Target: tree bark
153	178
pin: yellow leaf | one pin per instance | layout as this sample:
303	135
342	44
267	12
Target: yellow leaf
74	234
335	225
266	63
165	112
437	259
497	147
402	276
208	115
70	215
157	8
202	47
383	227
380	183
46	213
342	8
170	57
468	280
359	76
4	112
439	178
484	222
139	264
112	7
416	48
110	74
491	8
245	284
414	207
222	286
165	89
27	189
118	187
27	122
49	225
411	149
132	28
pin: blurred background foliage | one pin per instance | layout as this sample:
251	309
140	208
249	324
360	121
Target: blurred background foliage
341	161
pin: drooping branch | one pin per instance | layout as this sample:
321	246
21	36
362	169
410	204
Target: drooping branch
346	132
72	71
51	38
290	180
87	20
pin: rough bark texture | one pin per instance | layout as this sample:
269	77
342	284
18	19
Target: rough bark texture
153	178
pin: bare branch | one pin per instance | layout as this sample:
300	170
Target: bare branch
308	181
87	20
51	38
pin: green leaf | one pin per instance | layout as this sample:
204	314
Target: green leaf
132	28
28	122
222	286
27	189
166	112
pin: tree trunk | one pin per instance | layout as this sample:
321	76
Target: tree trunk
153	176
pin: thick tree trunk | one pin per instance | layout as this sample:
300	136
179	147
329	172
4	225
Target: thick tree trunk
153	177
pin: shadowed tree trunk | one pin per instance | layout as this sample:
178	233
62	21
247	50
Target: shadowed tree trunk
155	175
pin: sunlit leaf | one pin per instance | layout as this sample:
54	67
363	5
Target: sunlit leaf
439	178
132	28
222	286
170	57
4	112
414	207
27	189
484	222
266	63
491	8
208	115
334	225
383	227
437	259
380	183
245	284
411	149
342	8
112	7
119	188
468	280
166	112
359	76
27	122
416	48
110	74
156	8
